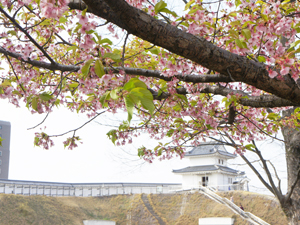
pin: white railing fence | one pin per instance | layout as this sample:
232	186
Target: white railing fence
83	189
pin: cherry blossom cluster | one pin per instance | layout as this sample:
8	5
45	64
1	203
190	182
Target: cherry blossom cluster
263	32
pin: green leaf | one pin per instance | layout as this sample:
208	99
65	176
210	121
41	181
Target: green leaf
183	97
6	83
265	17
104	97
234	33
165	10
34	103
73	85
236	22
99	69
45	96
141	151
133	83
12	32
177	107
250	147
145	97
246	33
114	94
84	11
290	11
208	126
80	106
86	68
240	44
90	32
261	58
112	135
106	40
45	23
71	48
273	116
114	56
297	110
63	19
129	106
170	132
229	41
154	51
188	4
159	6
237	3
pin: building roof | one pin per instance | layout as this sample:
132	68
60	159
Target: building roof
209	148
208	168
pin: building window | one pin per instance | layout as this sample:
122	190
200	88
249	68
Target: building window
0	153
0	127
229	180
204	181
221	161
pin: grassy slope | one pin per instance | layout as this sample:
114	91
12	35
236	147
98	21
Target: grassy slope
16	209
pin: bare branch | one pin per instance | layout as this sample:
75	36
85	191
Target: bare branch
78	128
276	174
258	174
276	191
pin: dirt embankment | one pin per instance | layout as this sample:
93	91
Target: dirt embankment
174	209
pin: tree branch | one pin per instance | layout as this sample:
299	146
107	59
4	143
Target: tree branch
276	192
276	174
269	101
197	49
289	194
258	174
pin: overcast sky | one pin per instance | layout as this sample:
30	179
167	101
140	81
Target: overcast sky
97	159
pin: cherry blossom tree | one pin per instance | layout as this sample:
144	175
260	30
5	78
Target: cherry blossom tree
224	68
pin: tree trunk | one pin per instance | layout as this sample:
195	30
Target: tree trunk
291	206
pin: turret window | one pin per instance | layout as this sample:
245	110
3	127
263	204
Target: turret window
221	161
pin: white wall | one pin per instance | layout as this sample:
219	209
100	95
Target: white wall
189	181
218	181
195	161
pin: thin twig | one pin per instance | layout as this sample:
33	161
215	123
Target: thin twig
28	35
15	74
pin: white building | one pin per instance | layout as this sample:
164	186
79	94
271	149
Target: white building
209	169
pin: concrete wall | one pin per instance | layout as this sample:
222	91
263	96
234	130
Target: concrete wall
4	149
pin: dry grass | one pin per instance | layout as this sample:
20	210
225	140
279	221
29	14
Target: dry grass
176	209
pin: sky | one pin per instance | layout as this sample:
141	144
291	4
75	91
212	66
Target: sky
97	159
